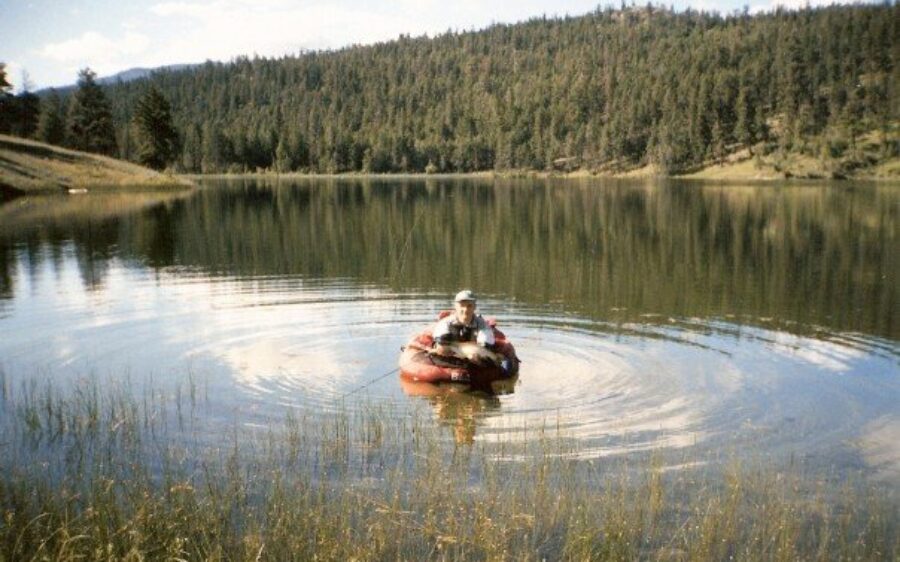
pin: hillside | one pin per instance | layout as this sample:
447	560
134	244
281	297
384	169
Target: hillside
610	90
874	157
30	167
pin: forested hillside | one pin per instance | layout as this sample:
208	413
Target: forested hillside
614	87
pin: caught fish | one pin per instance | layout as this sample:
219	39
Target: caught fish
471	352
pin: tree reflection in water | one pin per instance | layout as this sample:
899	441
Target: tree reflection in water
803	254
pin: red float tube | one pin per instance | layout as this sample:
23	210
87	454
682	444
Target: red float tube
417	364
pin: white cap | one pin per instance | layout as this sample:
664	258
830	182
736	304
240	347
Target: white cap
464	295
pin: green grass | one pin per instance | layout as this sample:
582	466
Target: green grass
110	472
32	167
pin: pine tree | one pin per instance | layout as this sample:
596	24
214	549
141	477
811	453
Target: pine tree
7	105
52	124
192	150
90	125
744	127
211	149
523	95
298	150
283	161
27	112
157	140
5	86
18	114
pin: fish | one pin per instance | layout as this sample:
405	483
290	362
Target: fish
472	352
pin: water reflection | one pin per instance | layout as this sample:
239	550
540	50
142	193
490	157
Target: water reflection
667	315
811	255
458	407
90	225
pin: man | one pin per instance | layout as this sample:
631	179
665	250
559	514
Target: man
462	326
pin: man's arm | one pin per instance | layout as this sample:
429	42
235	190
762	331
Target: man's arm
441	331
485	335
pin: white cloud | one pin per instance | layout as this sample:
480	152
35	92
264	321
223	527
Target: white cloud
185	9
102	53
772	5
223	29
824	355
187	31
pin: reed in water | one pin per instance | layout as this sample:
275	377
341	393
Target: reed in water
113	472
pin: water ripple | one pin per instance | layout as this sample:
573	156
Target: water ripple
267	344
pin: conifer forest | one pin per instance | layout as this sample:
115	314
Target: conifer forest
630	86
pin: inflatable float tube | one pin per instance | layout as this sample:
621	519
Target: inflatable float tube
419	364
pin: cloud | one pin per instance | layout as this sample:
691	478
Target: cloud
223	29
824	355
189	31
187	9
100	52
799	4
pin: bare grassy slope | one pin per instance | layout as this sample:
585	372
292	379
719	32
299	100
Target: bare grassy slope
873	156
33	167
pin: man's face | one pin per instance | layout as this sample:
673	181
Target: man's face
465	311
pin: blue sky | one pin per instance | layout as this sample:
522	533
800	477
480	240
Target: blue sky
51	40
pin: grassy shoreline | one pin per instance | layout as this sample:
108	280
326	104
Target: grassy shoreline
874	159
29	167
102	472
739	171
32	168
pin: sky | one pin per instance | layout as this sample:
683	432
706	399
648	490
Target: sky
51	40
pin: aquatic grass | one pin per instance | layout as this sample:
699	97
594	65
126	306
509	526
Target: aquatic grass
105	472
4	385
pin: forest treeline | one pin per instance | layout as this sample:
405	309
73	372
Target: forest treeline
614	87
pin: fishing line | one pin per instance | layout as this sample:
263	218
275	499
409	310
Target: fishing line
401	261
370	383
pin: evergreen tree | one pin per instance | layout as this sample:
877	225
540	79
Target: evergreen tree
5	86
610	88
744	126
283	161
90	122
157	140
18	114
27	109
52	125
211	149
7	106
27	112
192	150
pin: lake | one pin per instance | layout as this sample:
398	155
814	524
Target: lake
694	319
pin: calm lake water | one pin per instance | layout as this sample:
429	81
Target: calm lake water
668	316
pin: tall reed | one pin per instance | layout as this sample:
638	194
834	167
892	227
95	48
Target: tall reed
106	472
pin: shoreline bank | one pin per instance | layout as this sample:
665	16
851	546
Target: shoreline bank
29	167
639	174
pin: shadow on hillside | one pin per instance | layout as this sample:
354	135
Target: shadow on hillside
40	151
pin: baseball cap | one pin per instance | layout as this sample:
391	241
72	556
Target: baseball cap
464	295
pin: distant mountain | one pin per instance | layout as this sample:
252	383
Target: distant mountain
138	73
129	75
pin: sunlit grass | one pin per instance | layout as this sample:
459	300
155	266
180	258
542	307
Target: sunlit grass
110	472
30	166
